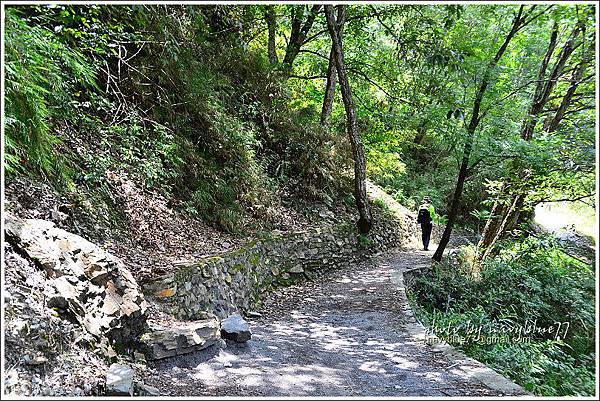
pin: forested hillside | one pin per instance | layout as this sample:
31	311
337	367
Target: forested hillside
169	133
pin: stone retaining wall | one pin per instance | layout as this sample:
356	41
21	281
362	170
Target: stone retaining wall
236	281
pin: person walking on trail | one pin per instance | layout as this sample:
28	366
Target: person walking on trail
425	218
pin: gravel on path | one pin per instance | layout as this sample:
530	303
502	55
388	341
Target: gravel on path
344	334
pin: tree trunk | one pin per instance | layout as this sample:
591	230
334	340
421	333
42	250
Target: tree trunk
492	224
329	90
507	218
553	122
462	175
544	87
331	75
417	150
271	25
360	187
518	23
421	131
298	34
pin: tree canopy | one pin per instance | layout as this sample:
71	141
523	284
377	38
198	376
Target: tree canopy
415	73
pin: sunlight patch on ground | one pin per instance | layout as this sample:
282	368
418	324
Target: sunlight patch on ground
372	366
403	363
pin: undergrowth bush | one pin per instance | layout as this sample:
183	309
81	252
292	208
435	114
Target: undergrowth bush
312	156
531	285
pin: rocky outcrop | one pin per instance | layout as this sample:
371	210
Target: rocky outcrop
236	329
86	283
182	338
94	288
44	354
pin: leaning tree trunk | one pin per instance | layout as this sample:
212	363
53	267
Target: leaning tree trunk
493	222
329	90
417	151
553	122
460	182
360	186
506	220
518	23
331	75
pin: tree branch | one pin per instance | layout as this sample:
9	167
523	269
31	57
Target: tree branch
368	79
321	32
308	77
316	53
568	199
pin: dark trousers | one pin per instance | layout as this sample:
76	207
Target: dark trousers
426	233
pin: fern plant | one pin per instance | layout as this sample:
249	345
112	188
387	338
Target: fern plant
41	74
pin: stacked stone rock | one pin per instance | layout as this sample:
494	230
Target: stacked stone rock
164	342
235	328
237	281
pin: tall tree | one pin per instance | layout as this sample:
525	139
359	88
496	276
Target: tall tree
520	20
496	223
365	220
504	217
302	21
552	121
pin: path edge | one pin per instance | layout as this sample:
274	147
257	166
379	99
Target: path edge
463	365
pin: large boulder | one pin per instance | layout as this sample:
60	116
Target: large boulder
236	329
86	282
180	338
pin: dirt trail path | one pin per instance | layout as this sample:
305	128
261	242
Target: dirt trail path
351	333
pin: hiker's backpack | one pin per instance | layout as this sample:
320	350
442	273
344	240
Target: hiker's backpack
424	217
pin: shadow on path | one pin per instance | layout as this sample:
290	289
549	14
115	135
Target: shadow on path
344	335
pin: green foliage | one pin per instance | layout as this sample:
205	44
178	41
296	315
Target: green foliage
183	100
482	216
532	281
440	219
236	129
546	368
217	136
364	242
216	202
310	155
380	203
147	150
385	168
43	77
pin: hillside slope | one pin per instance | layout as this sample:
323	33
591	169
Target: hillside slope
49	350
